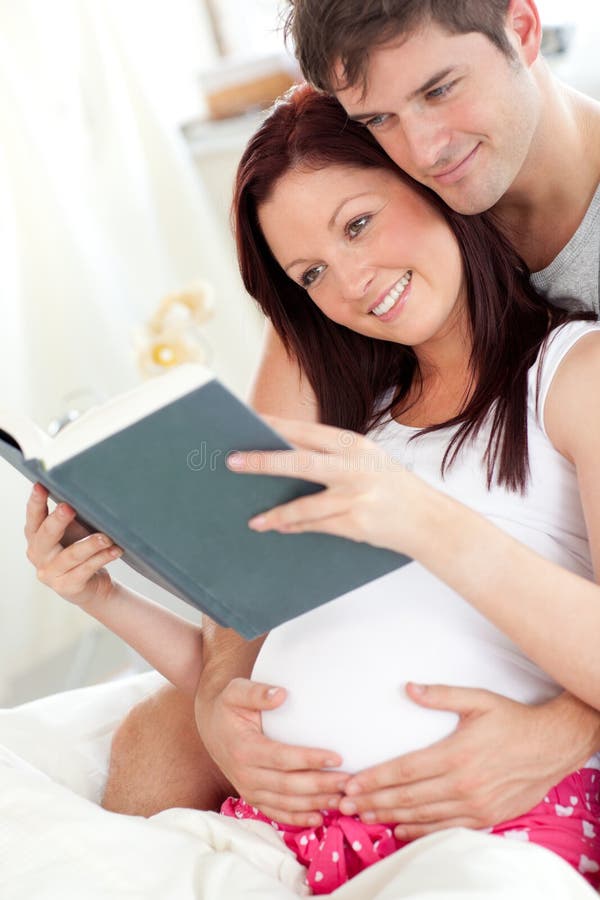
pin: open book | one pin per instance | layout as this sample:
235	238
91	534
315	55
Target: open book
148	469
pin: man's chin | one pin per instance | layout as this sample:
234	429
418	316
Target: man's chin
468	199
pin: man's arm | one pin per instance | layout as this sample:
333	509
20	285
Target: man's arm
279	387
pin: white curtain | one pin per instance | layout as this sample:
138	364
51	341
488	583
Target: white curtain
101	214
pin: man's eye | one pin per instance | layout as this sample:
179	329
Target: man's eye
310	276
378	121
354	228
442	91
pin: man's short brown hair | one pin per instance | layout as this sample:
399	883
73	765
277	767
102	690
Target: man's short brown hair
328	32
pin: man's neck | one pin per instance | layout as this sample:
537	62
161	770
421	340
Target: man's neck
546	203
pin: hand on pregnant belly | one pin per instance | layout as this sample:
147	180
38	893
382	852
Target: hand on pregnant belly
288	783
499	763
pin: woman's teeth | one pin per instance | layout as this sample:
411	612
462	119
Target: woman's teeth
396	292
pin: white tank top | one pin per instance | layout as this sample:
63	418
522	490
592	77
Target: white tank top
346	663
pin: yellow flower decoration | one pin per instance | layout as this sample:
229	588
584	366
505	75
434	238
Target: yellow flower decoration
173	335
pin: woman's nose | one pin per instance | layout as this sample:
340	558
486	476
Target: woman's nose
354	279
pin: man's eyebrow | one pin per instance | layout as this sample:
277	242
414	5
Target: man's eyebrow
431	82
331	222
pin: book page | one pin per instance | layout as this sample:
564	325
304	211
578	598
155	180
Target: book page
119	412
32	440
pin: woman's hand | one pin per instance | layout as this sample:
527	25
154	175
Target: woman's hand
369	496
75	572
286	783
498	764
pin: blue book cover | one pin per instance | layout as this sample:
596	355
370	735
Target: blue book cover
148	469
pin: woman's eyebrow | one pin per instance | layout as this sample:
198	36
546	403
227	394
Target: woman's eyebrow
341	205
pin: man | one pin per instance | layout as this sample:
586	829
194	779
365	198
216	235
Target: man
457	94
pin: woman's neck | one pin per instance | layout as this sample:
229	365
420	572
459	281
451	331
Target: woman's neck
446	380
436	399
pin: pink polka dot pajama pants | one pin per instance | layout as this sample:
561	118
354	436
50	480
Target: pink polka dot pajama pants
567	822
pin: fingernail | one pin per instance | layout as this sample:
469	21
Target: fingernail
348	807
235	460
400	833
116	551
418	688
368	816
63	511
314	820
272	691
332	803
257	522
353	788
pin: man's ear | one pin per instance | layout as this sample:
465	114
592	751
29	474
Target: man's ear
524	29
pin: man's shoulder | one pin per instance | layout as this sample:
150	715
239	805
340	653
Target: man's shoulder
573	276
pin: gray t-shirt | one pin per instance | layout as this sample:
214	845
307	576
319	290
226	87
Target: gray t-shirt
575	272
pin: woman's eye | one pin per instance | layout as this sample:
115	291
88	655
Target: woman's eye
354	228
310	276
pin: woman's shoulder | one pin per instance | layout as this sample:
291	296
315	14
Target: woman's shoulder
558	345
568	380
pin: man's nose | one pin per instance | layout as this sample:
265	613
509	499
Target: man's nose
427	139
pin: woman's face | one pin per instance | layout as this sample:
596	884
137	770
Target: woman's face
373	254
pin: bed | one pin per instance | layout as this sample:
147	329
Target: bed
57	842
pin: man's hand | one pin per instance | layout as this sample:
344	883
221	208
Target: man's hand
285	782
499	763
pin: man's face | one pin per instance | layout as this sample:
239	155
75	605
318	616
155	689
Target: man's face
452	111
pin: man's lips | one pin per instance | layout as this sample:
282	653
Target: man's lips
457	171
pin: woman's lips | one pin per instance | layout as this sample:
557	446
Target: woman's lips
398	305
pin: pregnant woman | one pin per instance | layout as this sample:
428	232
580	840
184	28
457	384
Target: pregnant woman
419	328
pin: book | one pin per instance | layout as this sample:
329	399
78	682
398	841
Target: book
148	468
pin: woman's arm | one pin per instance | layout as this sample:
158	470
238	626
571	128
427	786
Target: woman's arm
279	387
553	614
550	612
78	574
172	645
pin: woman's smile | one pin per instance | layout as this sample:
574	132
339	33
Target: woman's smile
394	300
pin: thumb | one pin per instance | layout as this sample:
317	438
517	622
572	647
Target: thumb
248	694
464	701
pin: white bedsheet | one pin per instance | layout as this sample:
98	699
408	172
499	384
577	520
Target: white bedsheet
56	842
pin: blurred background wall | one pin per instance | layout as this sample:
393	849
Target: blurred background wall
121	125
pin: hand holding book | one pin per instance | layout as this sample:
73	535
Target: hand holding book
368	497
147	468
78	573
74	568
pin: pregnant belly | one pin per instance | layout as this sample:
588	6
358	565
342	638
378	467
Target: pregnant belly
346	664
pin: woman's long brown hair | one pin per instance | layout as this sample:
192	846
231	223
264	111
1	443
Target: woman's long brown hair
349	372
